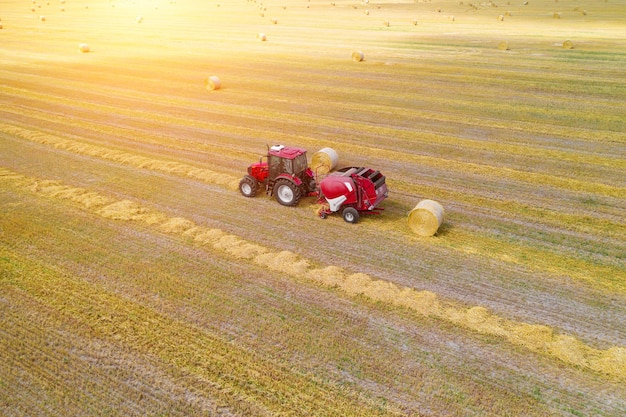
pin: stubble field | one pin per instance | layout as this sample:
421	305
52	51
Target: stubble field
136	280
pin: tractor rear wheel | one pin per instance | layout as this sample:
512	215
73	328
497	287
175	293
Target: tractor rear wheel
350	214
286	192
248	186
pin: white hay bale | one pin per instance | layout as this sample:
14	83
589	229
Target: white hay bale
83	47
212	83
503	46
568	45
324	161
426	218
262	37
357	56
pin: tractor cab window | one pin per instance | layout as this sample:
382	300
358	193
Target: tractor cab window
275	163
288	166
299	164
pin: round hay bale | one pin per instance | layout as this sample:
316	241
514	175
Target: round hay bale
357	56
42	18
262	37
212	83
0	25
275	21
556	15
324	161
387	23
83	47
501	18
414	22
426	218
139	19
503	46
568	45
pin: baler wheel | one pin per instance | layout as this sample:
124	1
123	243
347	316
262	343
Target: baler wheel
350	214
286	192
248	186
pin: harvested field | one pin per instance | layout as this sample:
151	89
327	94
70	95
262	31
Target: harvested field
136	280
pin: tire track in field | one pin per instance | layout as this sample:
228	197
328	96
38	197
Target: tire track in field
537	338
591	273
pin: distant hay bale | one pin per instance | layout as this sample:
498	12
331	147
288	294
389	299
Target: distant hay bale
83	47
212	83
139	19
501	18
568	45
367	12
42	18
262	37
357	56
324	161
414	22
426	218
556	15
387	23
503	46
274	21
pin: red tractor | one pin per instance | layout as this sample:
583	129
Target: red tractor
352	191
285	175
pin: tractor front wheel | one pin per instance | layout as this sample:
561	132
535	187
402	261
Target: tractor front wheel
248	186
286	192
350	214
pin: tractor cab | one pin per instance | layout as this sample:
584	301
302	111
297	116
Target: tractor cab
283	160
286	175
